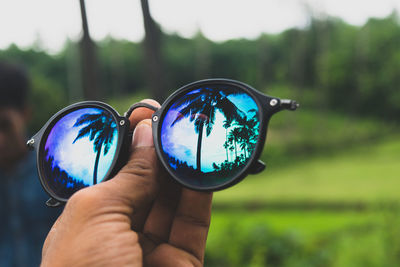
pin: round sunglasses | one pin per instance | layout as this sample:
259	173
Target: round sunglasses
208	135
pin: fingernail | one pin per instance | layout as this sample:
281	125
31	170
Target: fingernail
143	135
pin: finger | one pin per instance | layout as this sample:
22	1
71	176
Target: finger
139	140
142	113
157	227
135	187
50	236
191	223
166	255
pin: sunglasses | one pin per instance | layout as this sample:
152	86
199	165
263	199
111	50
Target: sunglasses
208	135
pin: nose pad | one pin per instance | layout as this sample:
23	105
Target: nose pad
257	167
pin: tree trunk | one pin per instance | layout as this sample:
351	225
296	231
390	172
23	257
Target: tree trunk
88	60
96	166
198	155
226	144
155	73
234	139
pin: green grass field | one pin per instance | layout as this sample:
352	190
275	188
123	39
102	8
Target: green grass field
343	238
367	175
336	209
309	225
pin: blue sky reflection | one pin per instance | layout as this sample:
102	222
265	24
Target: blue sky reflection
78	158
180	140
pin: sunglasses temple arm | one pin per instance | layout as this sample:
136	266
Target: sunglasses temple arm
289	104
257	167
53	203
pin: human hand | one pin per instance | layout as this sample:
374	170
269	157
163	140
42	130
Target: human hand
140	217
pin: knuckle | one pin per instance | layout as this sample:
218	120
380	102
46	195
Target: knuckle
84	199
139	167
192	220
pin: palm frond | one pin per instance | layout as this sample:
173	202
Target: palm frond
230	110
82	133
186	111
87	118
187	99
108	139
211	119
190	111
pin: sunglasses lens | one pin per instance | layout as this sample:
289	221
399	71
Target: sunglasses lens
209	134
79	150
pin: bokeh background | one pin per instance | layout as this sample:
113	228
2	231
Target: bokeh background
330	195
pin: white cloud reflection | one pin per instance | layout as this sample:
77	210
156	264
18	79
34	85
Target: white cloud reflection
78	158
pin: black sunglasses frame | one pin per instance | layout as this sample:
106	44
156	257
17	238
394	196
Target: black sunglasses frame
37	143
267	106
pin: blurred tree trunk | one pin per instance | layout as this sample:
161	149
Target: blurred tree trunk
88	60
203	57
155	75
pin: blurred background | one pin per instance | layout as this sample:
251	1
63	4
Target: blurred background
330	194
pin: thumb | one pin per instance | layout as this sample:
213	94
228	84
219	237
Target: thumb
136	185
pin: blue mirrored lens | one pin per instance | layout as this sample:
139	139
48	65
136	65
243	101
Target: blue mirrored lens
79	150
209	134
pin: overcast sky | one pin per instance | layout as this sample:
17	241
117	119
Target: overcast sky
51	22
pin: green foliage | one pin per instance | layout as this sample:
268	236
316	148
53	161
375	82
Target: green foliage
359	177
48	82
122	67
305	133
46	99
307	238
340	67
257	246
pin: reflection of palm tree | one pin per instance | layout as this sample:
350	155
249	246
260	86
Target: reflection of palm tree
201	106
226	146
231	148
226	125
100	128
247	133
234	136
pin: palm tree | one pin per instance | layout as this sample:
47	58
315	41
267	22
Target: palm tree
201	105
88	59
226	125
153	54
100	128
247	133
231	148
234	136
226	146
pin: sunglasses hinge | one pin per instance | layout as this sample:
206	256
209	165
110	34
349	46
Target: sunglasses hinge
31	144
289	104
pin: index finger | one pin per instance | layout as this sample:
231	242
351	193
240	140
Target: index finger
191	223
141	113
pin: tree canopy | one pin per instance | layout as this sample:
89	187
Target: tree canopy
340	66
